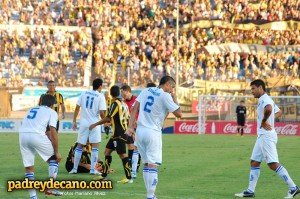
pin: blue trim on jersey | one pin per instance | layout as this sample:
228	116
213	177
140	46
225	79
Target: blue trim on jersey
255	168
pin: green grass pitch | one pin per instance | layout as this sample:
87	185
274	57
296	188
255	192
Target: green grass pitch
194	167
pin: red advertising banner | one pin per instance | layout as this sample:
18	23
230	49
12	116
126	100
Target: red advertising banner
230	127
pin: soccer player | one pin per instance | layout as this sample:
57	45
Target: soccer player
129	99
153	104
91	103
85	161
241	116
118	116
265	146
59	104
33	140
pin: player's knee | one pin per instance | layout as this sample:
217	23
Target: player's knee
53	157
254	163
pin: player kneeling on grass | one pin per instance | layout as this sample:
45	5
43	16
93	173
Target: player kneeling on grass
33	140
118	116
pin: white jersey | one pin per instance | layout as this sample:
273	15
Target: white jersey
155	103
37	119
263	101
91	102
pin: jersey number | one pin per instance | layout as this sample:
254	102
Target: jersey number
32	113
89	102
149	103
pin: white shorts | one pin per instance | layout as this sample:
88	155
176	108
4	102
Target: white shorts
149	144
32	143
93	136
265	148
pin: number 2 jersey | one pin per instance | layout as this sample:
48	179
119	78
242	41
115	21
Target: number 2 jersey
91	102
37	119
155	103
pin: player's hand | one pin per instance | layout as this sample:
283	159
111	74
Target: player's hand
74	126
266	126
58	157
92	126
129	131
63	116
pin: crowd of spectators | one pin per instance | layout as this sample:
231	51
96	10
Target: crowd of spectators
138	37
33	56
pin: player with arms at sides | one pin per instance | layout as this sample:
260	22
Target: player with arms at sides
92	103
59	105
129	99
241	112
33	140
118	116
153	104
265	146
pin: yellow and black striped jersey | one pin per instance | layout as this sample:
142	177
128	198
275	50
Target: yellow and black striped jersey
59	100
119	115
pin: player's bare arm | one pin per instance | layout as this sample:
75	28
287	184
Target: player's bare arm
76	112
54	141
63	110
103	121
267	113
132	120
102	113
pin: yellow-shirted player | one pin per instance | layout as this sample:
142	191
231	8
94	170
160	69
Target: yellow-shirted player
59	105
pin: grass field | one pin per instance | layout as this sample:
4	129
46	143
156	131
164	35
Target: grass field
194	167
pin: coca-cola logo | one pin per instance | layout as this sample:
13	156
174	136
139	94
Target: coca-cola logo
231	128
188	128
288	129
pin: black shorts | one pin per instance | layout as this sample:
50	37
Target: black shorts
241	121
57	126
130	140
118	144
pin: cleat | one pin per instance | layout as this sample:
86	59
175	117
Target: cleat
73	171
125	181
95	172
245	194
53	192
292	193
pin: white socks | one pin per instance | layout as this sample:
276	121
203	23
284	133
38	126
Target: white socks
253	178
284	175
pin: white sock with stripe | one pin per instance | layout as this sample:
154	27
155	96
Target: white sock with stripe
152	182
253	178
32	192
53	169
284	175
94	159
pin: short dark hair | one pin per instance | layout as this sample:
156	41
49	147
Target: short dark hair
259	82
150	84
97	83
242	101
125	87
48	100
115	91
51	81
166	79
